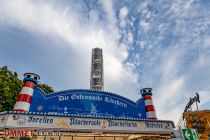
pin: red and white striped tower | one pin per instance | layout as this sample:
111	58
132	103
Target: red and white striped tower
25	97
149	107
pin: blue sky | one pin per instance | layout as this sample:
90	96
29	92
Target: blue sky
162	44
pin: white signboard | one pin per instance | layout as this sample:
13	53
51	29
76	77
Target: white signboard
86	124
3	120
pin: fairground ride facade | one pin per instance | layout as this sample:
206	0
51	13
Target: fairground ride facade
79	114
198	119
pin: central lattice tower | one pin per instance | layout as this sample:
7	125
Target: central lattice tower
97	76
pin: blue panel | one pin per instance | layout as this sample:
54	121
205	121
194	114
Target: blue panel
147	93
87	103
30	79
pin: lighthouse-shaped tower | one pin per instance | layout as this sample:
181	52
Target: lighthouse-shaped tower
25	97
149	107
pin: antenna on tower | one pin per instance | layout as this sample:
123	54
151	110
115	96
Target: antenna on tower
97	76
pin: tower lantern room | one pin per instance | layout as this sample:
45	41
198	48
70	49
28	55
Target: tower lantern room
31	77
146	91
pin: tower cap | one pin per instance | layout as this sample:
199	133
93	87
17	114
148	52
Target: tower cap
32	75
146	90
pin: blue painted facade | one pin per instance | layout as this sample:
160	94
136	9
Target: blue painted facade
89	103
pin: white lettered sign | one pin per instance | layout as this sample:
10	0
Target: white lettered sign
85	124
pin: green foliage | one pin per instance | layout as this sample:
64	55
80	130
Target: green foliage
46	88
10	87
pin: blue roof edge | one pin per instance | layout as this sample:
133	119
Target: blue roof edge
89	90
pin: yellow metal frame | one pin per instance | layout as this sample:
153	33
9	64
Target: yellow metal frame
199	120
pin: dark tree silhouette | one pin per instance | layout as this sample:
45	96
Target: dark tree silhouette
10	87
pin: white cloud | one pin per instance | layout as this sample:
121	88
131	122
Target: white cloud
66	24
145	26
174	84
175	61
167	85
206	42
167	98
123	16
123	12
130	38
108	7
173	52
142	44
204	97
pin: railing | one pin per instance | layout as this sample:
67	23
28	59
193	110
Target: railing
181	123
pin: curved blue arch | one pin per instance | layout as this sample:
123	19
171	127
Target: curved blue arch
87	102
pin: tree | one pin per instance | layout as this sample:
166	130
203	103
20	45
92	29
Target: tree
46	88
10	87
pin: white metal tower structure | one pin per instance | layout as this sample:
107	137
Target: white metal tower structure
97	76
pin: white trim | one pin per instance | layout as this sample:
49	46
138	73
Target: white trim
22	106
53	123
148	102
27	90
151	114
